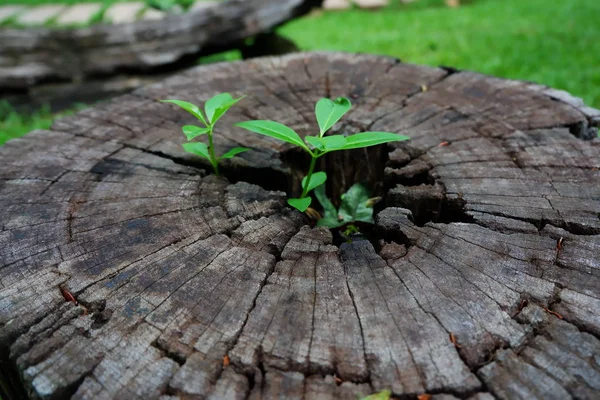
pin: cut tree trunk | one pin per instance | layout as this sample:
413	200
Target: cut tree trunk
128	271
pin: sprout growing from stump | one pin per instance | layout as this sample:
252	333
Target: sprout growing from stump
328	113
214	109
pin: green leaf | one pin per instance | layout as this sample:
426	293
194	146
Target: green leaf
366	139
383	395
197	148
300	204
354	205
327	143
317	179
330	214
218	105
192	131
162	5
328	207
333	142
234	152
189	107
329	112
315	142
275	130
330	222
364	213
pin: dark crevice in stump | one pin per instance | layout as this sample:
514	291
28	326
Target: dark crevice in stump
486	236
11	386
266	178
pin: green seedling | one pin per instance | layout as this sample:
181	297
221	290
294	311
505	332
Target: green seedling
214	109
356	206
328	113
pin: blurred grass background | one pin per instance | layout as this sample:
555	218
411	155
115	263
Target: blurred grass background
553	42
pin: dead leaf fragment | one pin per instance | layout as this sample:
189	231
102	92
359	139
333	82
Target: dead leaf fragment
372	201
524	302
453	340
313	214
557	315
68	296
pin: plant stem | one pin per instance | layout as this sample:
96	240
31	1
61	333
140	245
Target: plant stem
211	150
309	175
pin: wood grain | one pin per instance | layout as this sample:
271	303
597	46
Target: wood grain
480	279
41	54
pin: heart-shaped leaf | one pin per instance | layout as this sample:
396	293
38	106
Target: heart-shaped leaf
275	130
366	139
197	148
300	204
189	107
234	152
193	131
329	112
317	179
216	107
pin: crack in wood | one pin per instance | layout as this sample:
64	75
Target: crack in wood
362	334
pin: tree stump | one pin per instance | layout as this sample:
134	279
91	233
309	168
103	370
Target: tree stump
129	271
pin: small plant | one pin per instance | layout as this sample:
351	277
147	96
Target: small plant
356	206
328	113
214	108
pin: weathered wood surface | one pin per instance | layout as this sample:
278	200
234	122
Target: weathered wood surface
463	293
43	65
33	55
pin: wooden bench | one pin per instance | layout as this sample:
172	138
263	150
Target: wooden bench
128	271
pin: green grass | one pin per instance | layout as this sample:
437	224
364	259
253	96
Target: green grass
551	42
14	124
